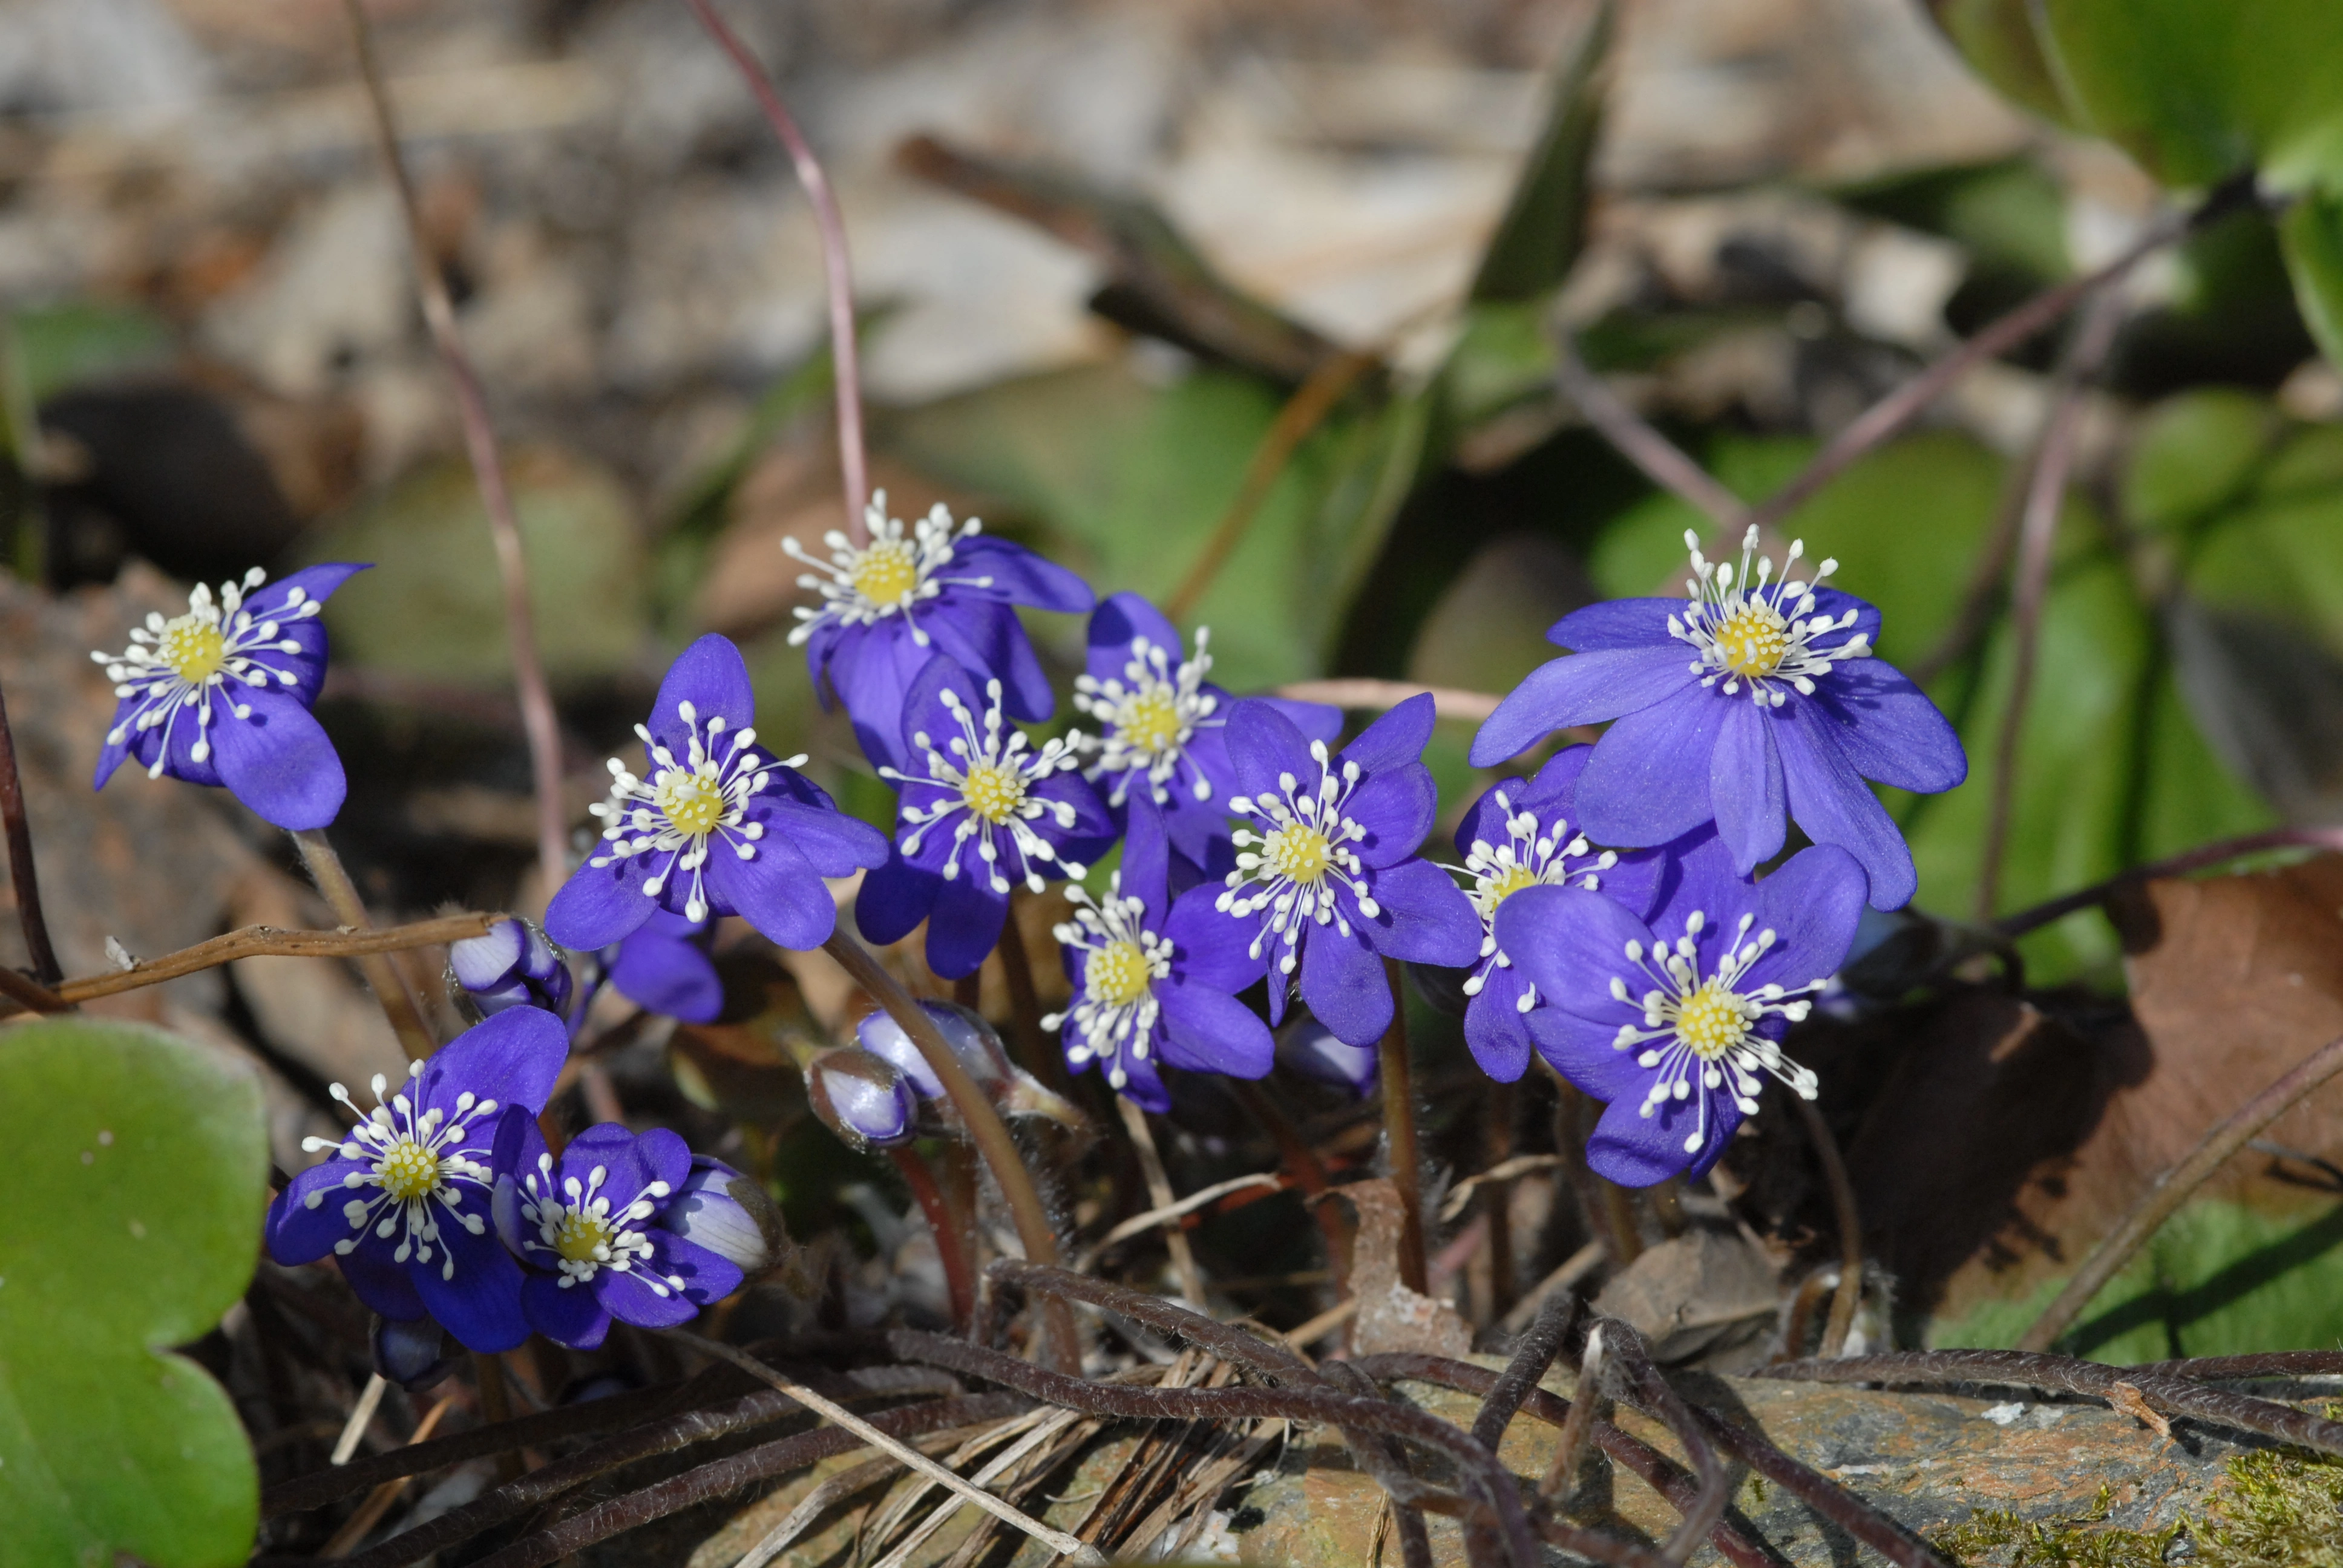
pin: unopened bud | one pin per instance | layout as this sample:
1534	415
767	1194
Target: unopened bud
972	1042
862	1098
512	965
1310	1049
728	1213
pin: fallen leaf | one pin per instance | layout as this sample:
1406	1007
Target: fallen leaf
1391	1316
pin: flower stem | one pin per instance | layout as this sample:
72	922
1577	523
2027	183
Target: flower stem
2174	1187
1663	462
1159	1193
537	721
837	271
1033	1050
985	1127
1399	1131
960	1282
390	989
2046	497
1849	1294
20	861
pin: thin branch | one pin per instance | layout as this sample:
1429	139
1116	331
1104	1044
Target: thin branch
727	1476
2205	855
984	1125
399	1004
2028	1369
1226	1341
1664	462
1316	398
2046	498
1531	1358
1464	706
2174	1187
1892	413
1166	1207
537	720
839	275
29	994
1399	1134
2269	1364
20	861
1657	1398
1057	1539
1849	1294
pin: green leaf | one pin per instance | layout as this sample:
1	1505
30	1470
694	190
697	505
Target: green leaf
138	1167
2200	89
1538	240
2312	234
1998	39
2219	1279
2195	453
433	606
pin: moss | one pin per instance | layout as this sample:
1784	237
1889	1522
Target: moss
2279	1508
2086	1541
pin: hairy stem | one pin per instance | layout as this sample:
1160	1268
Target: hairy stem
20	861
1399	1131
398	1002
960	1280
837	272
990	1133
1849	1294
538	724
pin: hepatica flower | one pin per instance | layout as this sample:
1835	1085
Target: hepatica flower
1521	834
1327	880
510	966
982	809
1155	982
221	696
588	1229
1675	1023
718	826
403	1202
1754	700
1162	723
907	596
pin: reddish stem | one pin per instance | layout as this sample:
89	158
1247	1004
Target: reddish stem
959	1282
839	275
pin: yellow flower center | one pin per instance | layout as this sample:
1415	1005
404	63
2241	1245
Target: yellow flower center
1117	974
408	1171
1711	1021
1298	851
887	571
583	1237
1515	878
194	648
1753	641
994	793
692	801
1149	719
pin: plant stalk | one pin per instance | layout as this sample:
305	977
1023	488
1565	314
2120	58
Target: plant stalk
1399	1138
397	1001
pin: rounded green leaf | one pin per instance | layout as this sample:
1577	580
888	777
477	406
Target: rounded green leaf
137	1165
2196	452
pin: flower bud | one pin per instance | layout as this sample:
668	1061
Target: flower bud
972	1039
1310	1049
728	1213
410	1354
511	966
862	1098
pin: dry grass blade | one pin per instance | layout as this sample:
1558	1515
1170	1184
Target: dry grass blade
1058	1540
1519	1165
1044	1432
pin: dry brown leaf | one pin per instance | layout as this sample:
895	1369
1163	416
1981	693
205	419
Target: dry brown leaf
1391	1317
1685	1294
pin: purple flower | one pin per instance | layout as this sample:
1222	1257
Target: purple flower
720	827
709	1211
222	694
983	812
1520	834
890	607
403	1202
1671	1023
511	966
1160	727
663	967
1780	709
862	1098
587	1229
1155	982
1330	879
